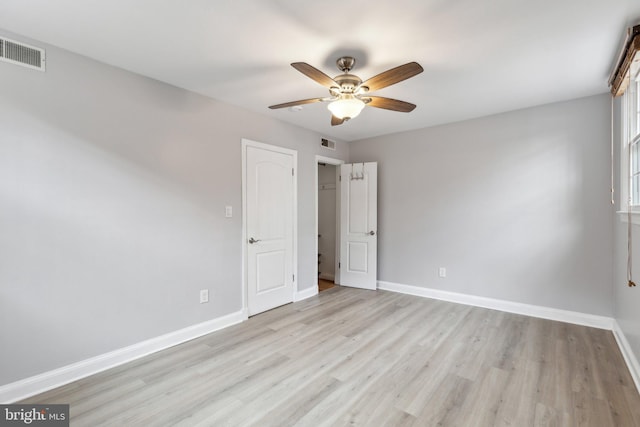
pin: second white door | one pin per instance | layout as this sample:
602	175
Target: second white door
359	225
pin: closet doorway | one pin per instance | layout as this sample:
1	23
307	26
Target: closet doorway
328	222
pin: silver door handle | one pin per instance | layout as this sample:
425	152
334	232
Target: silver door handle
252	240
371	233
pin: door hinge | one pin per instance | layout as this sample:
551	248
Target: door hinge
294	277
292	172
339	177
338	265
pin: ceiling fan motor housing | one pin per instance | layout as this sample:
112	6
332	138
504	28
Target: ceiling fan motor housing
348	82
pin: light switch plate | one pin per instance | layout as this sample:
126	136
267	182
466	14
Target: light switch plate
228	211
204	296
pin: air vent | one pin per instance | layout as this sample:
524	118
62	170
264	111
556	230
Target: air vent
21	54
331	145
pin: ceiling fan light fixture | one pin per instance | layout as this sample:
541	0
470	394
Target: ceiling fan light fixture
349	94
346	108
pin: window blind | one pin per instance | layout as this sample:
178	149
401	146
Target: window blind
629	55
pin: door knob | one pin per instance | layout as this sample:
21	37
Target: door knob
371	233
252	240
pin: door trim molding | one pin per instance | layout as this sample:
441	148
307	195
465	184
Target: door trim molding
305	293
294	154
334	162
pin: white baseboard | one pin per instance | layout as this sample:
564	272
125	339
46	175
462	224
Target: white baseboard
326	276
22	389
627	353
594	321
305	293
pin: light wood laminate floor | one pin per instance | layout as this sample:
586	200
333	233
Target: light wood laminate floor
351	357
324	285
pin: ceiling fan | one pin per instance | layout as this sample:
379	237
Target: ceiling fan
349	94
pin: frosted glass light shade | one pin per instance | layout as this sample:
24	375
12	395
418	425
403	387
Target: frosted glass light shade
346	108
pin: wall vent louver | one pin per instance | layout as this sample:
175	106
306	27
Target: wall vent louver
331	145
21	54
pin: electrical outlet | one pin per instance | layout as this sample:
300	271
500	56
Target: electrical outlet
204	296
442	272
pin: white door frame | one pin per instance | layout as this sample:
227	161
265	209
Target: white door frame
334	162
249	143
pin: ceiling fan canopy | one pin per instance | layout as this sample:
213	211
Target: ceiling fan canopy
349	94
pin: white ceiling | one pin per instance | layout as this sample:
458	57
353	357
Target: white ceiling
480	56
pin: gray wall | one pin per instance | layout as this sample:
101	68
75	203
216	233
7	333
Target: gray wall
113	187
515	206
626	300
112	196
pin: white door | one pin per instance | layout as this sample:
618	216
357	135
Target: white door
358	225
269	225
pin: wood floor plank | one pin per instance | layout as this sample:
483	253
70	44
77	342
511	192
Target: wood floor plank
631	399
445	405
426	384
550	417
217	413
485	397
521	395
289	411
351	357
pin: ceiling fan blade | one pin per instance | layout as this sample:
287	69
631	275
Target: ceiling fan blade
336	121
292	103
390	104
315	74
393	76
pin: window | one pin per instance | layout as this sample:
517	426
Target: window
631	145
625	81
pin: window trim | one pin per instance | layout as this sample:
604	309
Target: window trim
635	141
629	120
